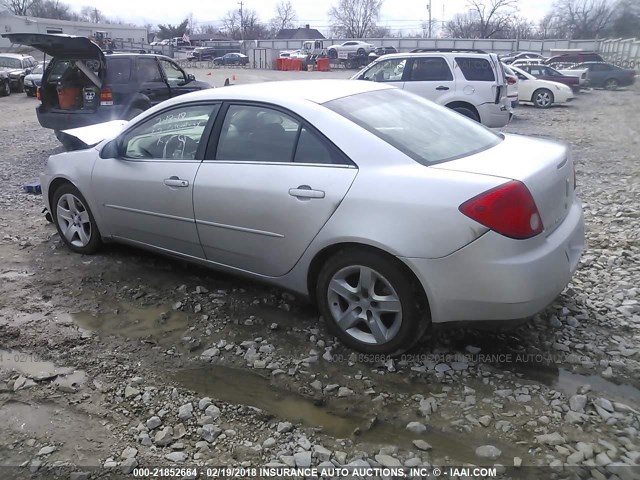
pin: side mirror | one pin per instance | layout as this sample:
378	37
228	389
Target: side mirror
191	77
27	71
113	149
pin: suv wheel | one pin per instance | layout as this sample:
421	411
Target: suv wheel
369	303
542	98
467	112
5	91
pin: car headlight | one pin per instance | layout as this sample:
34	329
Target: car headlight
28	82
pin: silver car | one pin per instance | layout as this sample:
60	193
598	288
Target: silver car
389	211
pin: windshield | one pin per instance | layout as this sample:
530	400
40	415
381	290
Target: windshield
422	130
38	69
10	62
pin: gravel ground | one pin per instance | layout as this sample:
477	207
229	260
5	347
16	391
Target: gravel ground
128	359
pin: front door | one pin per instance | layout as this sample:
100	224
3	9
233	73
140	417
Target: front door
152	83
145	195
270	186
431	78
177	79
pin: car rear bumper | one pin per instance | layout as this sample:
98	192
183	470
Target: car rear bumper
493	115
497	278
63	120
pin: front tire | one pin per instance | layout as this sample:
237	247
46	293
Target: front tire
542	98
611	84
370	303
74	221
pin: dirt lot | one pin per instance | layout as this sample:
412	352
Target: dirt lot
128	359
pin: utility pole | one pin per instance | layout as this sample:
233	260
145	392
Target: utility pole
241	3
429	10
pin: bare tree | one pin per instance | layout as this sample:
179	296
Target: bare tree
18	7
626	22
584	18
91	14
355	18
485	19
249	27
53	9
284	18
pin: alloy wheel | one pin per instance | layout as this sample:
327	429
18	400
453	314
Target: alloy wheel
543	99
73	219
364	304
611	84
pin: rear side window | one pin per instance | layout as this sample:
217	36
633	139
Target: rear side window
311	149
430	70
476	69
118	70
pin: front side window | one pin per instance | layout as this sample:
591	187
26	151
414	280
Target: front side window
430	69
476	69
172	135
259	134
175	76
148	71
423	131
386	71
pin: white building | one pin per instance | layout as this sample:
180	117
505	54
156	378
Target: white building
15	24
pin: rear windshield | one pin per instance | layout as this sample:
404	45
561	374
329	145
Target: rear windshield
424	131
118	70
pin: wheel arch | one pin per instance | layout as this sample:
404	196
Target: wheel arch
323	255
462	104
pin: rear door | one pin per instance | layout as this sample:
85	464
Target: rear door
151	80
266	188
483	76
430	77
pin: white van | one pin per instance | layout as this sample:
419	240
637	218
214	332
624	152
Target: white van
471	82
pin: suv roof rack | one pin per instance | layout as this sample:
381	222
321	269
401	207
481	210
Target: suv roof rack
449	50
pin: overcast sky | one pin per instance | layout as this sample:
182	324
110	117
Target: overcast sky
396	14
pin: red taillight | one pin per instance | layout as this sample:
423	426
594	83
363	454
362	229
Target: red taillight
106	97
508	209
38	93
511	80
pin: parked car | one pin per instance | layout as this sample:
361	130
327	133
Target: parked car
380	51
567	69
5	84
83	85
574	57
542	93
514	56
33	81
526	61
473	84
16	66
359	174
512	86
231	59
359	48
606	75
544	72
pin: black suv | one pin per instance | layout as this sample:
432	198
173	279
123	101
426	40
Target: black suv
82	85
380	51
15	67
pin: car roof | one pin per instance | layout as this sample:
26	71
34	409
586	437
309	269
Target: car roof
15	55
430	54
285	92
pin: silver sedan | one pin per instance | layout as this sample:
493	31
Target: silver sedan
389	211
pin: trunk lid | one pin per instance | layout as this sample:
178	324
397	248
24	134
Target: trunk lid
544	166
58	45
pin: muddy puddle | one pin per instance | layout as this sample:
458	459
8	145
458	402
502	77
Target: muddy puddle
30	365
350	419
158	324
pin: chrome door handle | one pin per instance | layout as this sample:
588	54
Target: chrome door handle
176	182
305	191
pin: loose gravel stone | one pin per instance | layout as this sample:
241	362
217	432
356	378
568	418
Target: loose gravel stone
488	451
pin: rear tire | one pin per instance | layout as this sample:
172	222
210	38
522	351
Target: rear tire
370	302
467	112
360	52
542	98
74	221
5	91
611	84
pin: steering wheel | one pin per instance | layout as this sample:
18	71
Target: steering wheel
179	147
